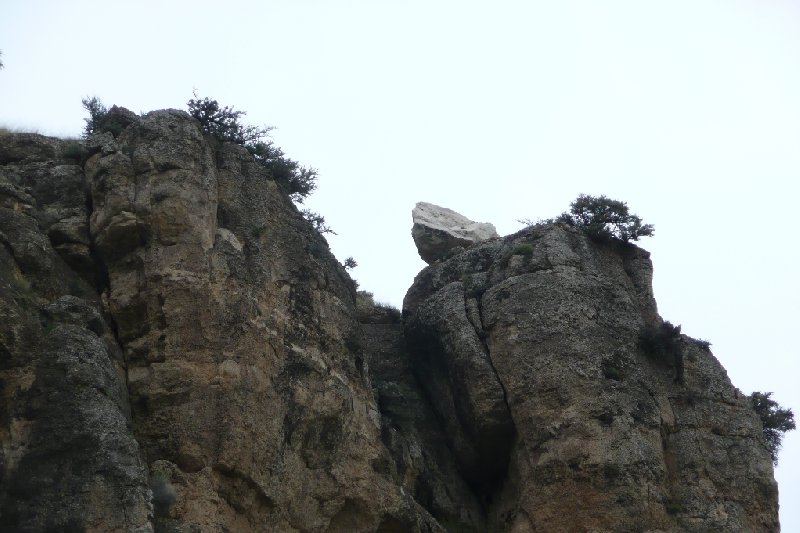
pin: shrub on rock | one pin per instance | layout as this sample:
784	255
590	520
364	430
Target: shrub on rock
604	218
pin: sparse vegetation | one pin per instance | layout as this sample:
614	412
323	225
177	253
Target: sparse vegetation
317	221
612	370
702	343
298	182
100	119
97	112
225	124
601	218
523	249
775	421
663	342
73	151
365	300
604	218
368	310
349	263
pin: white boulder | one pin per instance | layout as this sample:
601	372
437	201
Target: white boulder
437	230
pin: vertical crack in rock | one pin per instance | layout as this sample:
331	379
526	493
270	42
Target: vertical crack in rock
451	362
598	445
473	308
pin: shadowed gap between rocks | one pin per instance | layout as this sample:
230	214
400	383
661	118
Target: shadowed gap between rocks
450	360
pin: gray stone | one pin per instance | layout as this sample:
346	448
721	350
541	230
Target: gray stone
438	231
607	439
183	353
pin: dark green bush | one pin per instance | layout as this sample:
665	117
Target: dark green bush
73	151
663	342
523	249
352	342
317	221
223	122
349	263
604	218
97	112
611	471
298	182
612	371
102	119
365	300
775	421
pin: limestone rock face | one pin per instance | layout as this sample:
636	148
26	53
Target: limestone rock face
249	402
437	231
195	370
179	351
602	437
69	460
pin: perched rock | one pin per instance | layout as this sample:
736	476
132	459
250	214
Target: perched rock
437	231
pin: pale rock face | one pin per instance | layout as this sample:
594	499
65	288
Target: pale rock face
438	230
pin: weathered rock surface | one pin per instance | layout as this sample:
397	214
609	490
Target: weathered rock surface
179	351
199	356
68	458
421	462
234	319
438	231
605	438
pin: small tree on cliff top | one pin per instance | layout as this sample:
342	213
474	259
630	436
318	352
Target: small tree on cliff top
225	124
97	112
775	421
604	218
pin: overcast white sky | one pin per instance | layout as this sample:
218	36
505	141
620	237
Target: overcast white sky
687	109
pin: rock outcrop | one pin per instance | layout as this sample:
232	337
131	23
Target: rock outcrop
179	351
529	349
69	460
438	232
205	363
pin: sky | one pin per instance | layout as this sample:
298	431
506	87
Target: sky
688	110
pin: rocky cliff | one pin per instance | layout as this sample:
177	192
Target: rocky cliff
179	351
